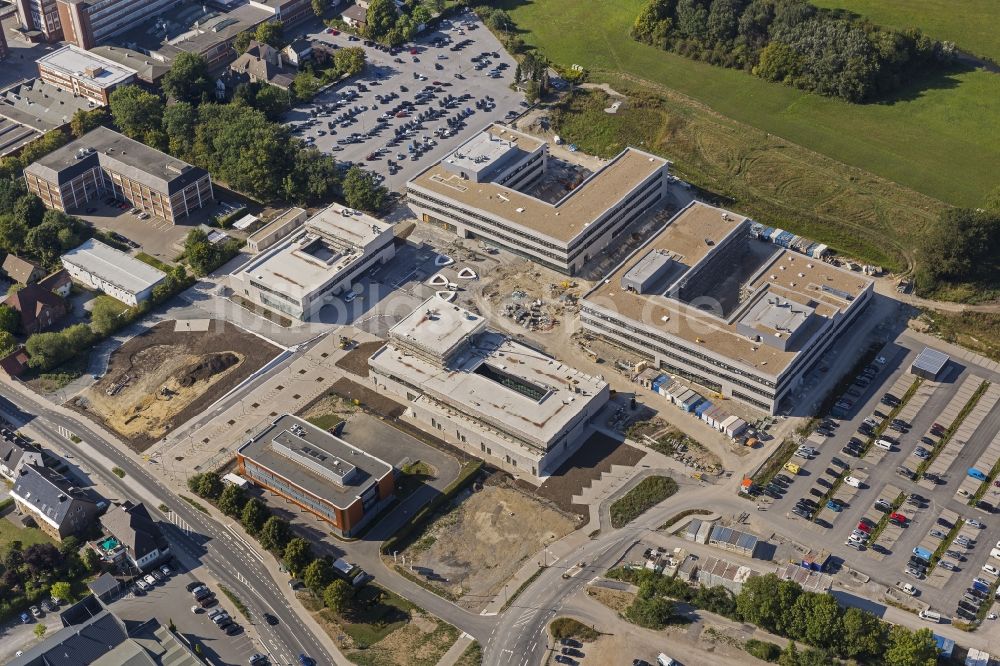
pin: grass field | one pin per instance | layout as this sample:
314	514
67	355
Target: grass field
28	536
970	23
760	175
939	139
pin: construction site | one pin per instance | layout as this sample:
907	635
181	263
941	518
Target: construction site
161	378
471	549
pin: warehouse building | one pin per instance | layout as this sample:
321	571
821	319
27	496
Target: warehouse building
715	571
117	274
319	472
479	191
317	263
707	302
103	162
929	364
485	393
86	74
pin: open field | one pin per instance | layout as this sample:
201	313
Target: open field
938	138
978	331
471	550
382	629
759	174
161	378
971	23
28	536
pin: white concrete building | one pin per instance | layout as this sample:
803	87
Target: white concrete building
317	263
708	303
487	394
117	274
478	191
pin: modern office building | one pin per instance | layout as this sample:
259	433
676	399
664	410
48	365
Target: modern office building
315	264
289	12
319	472
485	393
105	163
87	23
707	302
480	191
117	274
86	74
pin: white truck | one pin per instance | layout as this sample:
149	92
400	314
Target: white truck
351	573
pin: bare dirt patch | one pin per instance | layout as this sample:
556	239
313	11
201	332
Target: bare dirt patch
161	378
356	360
616	600
473	548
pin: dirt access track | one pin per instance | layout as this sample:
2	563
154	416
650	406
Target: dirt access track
158	380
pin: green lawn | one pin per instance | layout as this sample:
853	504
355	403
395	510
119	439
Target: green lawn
940	139
972	24
28	536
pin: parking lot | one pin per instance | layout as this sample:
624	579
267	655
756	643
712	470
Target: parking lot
892	527
413	105
170	601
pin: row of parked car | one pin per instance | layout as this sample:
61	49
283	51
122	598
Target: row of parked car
205	599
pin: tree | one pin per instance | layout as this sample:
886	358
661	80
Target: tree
179	121
758	604
649	610
188	79
317	575
305	85
337	596
108	314
270	33
242	42
911	648
361	191
210	486
83	121
349	60
815	619
790	655
40	630
863	635
14	557
135	111
9	319
8	343
48	350
319	6
380	19
297	554
254	515
962	245
42	558
91	560
61	590
13	231
274	534
231	501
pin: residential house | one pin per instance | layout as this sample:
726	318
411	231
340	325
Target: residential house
261	63
22	271
139	539
39	308
15	363
298	52
355	16
58	282
56	504
16	451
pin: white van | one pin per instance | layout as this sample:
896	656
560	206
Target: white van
664	660
884	444
995	553
852	481
930	616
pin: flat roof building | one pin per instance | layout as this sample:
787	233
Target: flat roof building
30	109
316	263
709	303
319	472
929	364
86	74
148	69
112	271
478	191
87	23
485	393
103	162
207	33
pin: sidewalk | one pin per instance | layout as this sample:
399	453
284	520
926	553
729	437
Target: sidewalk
456	651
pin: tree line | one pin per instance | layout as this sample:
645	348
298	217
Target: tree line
276	536
783	608
793	42
961	249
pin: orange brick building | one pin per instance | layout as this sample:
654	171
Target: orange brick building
319	472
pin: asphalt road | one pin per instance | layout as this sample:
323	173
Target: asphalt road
199	538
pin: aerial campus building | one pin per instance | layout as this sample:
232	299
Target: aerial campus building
317	263
709	303
484	392
86	74
104	163
318	471
114	272
481	190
